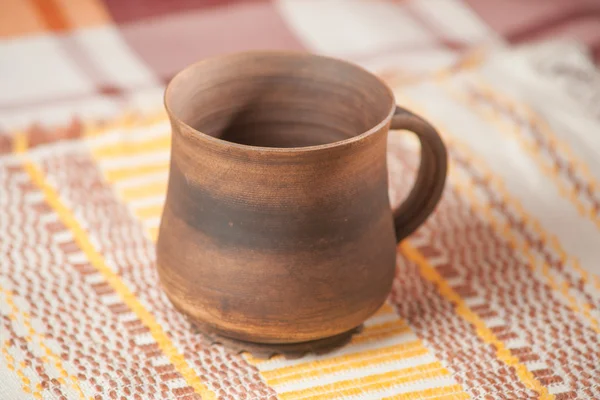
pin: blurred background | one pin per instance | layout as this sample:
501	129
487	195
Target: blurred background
96	58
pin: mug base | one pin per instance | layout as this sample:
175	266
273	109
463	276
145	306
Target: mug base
268	350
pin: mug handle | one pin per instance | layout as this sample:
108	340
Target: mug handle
431	178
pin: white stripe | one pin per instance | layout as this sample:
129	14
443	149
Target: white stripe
142	180
112	298
474	301
494	321
349	349
406	388
535	365
147	202
342	375
516	343
122	135
135	160
48	218
558	388
347	28
63	236
18	176
77	257
144	338
381	319
94	278
34	197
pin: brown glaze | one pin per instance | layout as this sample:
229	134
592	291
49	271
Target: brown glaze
277	226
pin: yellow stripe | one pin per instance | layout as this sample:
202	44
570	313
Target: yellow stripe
384	310
153	233
369	334
149	211
128	297
499	188
117	175
148	190
133	148
381	331
503	353
469	60
127	120
20	142
361	385
350	361
442	393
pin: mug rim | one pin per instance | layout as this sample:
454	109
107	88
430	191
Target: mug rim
286	53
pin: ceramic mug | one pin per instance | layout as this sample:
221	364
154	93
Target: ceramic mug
277	225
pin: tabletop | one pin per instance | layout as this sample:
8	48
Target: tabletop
496	296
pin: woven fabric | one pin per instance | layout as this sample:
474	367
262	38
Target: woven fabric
497	296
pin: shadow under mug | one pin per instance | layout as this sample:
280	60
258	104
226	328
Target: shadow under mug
277	225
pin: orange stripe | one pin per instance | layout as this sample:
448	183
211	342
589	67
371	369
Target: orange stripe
364	384
353	360
124	149
149	211
385	330
85	13
52	14
18	17
153	233
443	393
146	190
125	122
115	175
369	334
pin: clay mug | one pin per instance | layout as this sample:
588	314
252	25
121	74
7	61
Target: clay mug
277	225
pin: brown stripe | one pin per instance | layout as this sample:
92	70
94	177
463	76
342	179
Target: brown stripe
580	11
52	15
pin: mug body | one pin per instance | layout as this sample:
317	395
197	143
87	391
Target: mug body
277	225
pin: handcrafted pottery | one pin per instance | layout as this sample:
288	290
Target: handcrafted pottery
277	226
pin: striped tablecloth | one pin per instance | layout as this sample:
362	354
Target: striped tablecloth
497	296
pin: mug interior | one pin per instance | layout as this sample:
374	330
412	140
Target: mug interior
284	100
